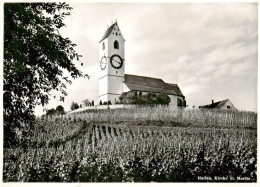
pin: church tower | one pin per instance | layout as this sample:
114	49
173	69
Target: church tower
112	64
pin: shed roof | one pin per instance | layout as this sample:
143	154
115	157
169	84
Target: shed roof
215	104
149	84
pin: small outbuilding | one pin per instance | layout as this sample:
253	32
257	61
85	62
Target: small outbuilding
222	105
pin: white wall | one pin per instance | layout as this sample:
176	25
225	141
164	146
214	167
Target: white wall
120	52
174	101
101	54
111	79
109	97
228	103
115	85
102	107
126	89
103	98
103	83
113	98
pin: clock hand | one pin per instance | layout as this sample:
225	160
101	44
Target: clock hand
117	61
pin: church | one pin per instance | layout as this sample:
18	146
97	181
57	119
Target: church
112	78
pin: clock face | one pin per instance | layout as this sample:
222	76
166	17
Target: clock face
103	63
116	61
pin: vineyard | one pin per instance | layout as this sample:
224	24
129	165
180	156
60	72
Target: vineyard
144	144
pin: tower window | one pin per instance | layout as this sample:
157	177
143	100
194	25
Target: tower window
116	45
103	45
116	33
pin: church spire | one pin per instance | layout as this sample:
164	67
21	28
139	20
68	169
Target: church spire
110	30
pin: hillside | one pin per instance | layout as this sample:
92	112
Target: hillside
142	144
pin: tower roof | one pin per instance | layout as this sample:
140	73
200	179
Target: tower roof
108	31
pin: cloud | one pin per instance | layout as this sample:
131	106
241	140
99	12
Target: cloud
210	49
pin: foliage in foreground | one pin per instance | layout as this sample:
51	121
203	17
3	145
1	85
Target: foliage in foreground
35	57
100	152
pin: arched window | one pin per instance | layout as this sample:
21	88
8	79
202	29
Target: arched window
184	103
103	45
179	102
116	45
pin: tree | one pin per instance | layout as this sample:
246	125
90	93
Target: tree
74	106
92	103
35	57
109	102
86	102
100	102
126	97
163	99
51	112
60	110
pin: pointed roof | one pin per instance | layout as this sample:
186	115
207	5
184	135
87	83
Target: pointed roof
108	31
215	105
149	84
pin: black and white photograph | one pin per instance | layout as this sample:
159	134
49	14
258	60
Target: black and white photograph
129	92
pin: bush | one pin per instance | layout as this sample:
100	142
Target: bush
58	111
74	106
132	97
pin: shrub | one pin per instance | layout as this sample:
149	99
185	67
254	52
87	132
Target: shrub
74	106
149	98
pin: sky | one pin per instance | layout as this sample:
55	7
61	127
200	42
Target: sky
208	49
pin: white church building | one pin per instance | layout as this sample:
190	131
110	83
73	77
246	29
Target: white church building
112	78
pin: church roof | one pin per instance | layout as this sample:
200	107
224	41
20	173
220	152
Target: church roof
108	31
215	105
149	84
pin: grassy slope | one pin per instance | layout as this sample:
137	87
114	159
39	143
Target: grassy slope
137	145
